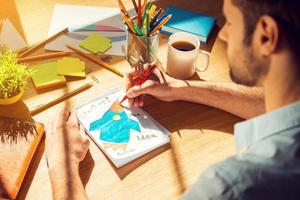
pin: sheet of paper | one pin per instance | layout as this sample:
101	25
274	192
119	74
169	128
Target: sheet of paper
9	36
45	76
123	133
96	43
71	67
83	21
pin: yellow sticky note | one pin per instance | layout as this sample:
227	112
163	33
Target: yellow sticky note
71	67
96	43
45	76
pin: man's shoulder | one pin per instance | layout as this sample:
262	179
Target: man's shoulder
244	177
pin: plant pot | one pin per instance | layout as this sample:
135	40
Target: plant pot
11	100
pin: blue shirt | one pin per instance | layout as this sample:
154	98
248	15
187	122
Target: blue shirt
267	165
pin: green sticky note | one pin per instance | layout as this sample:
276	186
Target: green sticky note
96	43
45	76
70	67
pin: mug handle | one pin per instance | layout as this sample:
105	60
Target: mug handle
199	68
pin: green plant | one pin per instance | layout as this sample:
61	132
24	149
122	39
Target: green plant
13	76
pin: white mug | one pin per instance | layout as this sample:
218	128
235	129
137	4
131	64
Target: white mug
182	63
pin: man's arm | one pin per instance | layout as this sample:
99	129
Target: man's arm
65	148
242	101
239	100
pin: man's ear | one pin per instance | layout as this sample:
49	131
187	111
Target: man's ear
267	35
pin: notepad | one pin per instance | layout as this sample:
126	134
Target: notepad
183	20
45	76
96	43
123	133
71	67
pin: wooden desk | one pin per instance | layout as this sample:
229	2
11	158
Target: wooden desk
201	135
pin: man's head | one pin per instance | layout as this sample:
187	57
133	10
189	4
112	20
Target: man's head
256	31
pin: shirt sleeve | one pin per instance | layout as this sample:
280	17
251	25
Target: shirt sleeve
210	185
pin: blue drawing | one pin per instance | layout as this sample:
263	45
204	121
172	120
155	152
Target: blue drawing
115	125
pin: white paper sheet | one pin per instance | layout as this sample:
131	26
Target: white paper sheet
76	17
9	36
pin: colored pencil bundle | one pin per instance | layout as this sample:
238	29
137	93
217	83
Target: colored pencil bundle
142	40
149	19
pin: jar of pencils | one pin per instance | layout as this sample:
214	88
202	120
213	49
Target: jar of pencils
141	48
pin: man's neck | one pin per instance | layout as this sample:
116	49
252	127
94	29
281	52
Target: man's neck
282	84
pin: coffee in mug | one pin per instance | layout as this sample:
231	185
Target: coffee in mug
183	50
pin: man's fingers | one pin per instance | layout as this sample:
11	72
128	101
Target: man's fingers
141	103
62	117
73	118
145	88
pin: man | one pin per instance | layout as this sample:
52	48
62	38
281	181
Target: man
263	41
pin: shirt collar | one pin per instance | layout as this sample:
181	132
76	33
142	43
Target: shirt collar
253	130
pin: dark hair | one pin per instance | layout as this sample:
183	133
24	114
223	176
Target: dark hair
285	12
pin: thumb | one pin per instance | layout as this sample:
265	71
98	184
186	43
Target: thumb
145	88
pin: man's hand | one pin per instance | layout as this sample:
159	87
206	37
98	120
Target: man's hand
65	143
160	86
65	147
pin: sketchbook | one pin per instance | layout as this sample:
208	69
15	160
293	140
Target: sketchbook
122	133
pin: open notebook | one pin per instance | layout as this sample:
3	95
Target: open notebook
122	133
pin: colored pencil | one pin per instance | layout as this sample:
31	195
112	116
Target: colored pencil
130	24
145	11
39	45
143	79
122	8
158	14
135	6
147	24
137	29
158	20
163	22
144	6
139	13
43	57
103	64
60	99
152	10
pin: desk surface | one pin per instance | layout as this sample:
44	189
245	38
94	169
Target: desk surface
201	135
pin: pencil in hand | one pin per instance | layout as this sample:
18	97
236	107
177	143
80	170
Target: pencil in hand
143	79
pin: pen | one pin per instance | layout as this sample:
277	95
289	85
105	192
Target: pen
141	80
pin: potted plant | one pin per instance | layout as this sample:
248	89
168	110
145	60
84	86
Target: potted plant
13	77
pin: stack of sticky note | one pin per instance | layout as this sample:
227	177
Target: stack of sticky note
70	67
96	43
53	74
